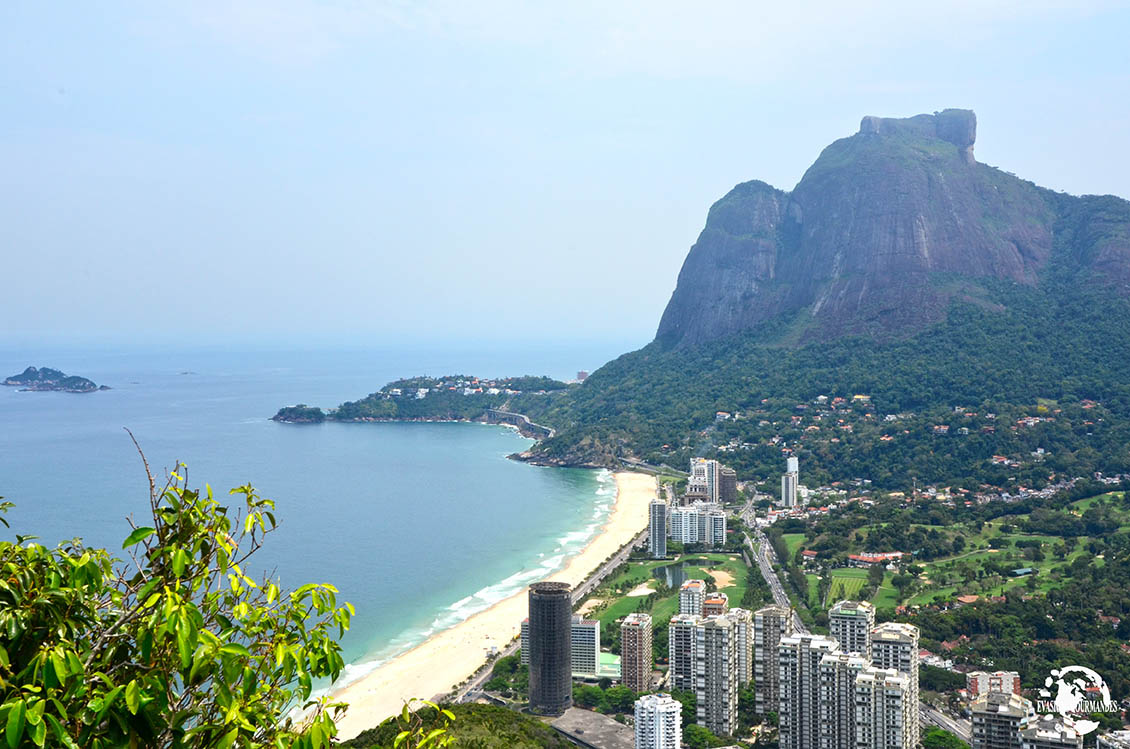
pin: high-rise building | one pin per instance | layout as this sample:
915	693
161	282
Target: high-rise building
716	674
799	658
659	722
715	604
550	646
682	648
585	646
790	480
727	485
850	624
884	709
743	630
635	652
704	473
837	699
978	683
715	528
895	645
657	529
770	624
1048	733
997	719
684	525
691	597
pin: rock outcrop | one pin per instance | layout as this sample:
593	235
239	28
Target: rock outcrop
880	234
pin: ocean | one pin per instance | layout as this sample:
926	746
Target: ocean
418	525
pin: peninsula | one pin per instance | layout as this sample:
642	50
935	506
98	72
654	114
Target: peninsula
45	378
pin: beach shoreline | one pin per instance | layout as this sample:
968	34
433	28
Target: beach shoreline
445	659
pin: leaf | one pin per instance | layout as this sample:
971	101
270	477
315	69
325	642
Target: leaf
14	731
133	697
139	534
234	648
39	733
60	733
180	559
228	739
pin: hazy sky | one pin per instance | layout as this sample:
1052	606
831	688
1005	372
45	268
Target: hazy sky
363	171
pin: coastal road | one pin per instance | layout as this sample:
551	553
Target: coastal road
472	690
765	561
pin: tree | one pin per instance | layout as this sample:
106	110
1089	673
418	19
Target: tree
936	738
689	701
179	646
697	737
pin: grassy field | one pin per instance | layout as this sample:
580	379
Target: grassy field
617	604
846	583
793	542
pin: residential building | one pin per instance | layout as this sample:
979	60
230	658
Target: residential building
885	712
550	645
715	521
704	473
657	529
681	650
743	623
716	674
635	652
692	594
799	658
1113	740
727	485
585	644
997	719
659	723
850	624
789	483
715	604
837	672
770	624
1048	733
978	683
895	645
684	525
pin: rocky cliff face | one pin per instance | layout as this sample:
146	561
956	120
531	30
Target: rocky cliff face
879	236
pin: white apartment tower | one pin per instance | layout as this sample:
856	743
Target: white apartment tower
684	525
895	646
789	482
770	624
681	650
799	658
657	529
691	596
850	624
585	646
659	722
743	631
885	712
836	715
705	474
716	674
635	652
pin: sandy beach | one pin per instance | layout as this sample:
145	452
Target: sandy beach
447	658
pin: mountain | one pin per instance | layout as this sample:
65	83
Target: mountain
883	231
901	269
45	378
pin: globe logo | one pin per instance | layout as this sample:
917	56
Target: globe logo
1078	691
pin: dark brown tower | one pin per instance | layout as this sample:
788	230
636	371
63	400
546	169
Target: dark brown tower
550	643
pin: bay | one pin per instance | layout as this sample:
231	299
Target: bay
418	525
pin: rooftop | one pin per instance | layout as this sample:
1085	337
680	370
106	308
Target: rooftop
594	730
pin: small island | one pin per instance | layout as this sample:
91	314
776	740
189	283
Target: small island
45	379
300	414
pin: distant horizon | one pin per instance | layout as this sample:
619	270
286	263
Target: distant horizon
275	170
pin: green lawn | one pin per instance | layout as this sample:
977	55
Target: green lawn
887	596
846	583
792	542
813	589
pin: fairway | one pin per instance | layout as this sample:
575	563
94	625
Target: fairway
846	583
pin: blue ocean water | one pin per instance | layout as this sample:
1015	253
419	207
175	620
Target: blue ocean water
418	525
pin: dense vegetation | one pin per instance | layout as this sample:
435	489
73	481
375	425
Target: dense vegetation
46	378
1065	345
475	727
300	414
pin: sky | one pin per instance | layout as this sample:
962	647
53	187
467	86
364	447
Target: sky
356	172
